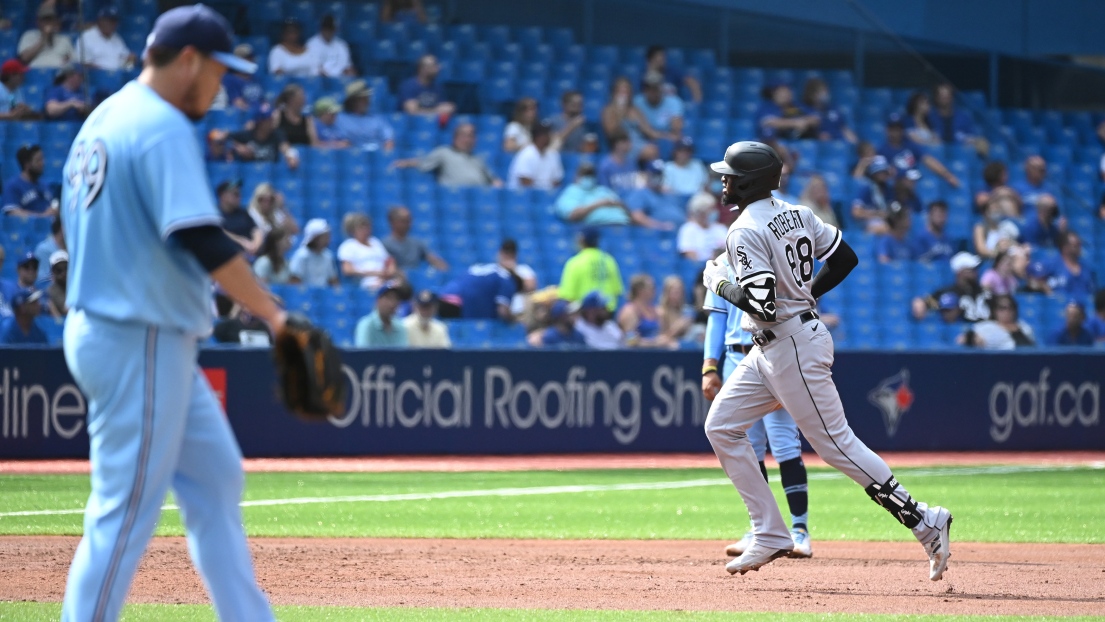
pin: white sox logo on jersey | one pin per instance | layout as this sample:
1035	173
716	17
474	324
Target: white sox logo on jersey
894	398
743	258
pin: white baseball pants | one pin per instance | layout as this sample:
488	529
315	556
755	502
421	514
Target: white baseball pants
794	371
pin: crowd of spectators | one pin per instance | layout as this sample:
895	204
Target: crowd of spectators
637	167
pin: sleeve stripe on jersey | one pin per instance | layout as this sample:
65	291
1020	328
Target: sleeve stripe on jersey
755	275
714	309
832	247
188	223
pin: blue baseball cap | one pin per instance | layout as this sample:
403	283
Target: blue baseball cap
895	119
203	28
594	300
949	301
26	258
560	309
591	235
685	142
878	164
1037	270
108	12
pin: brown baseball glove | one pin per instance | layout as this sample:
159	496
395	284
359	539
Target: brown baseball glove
308	369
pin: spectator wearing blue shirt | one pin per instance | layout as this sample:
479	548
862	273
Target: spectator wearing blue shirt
1035	184
1075	331
330	136
832	124
1070	275
904	154
656	59
589	203
22	328
897	245
652	201
66	100
362	129
422	93
780	117
241	90
872	202
663	111
23	194
381	329
570	127
26	275
484	291
561	331
685	175
12	106
1044	227
951	124
617	170
933	243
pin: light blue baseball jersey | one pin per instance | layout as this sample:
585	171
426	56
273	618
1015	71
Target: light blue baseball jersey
135	174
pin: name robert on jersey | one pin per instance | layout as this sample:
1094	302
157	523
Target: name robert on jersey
785	222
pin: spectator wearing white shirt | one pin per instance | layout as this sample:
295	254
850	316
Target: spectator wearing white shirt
701	238
423	329
517	133
45	47
290	57
538	164
363	256
331	50
685	174
101	47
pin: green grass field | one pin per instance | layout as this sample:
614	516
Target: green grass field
992	504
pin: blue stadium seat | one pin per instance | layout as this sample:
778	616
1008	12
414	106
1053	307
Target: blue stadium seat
602	54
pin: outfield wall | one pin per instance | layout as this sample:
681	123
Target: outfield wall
516	402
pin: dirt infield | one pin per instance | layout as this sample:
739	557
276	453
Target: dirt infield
374	464
673	575
847	577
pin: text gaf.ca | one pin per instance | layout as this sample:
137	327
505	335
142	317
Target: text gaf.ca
378	400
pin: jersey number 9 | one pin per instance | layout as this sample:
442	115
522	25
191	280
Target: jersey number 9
800	258
87	171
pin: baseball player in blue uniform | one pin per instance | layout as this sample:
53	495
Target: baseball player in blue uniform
145	242
725	335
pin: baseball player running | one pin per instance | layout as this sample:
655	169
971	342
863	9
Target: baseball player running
724	334
771	247
136	189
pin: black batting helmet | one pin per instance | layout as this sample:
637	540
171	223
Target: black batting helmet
756	166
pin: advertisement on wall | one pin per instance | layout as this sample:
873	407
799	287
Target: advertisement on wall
517	402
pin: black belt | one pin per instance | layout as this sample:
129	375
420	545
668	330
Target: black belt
767	336
743	348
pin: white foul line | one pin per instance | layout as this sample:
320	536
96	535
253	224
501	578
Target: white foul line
576	489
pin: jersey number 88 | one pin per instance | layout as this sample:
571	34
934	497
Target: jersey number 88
800	258
87	171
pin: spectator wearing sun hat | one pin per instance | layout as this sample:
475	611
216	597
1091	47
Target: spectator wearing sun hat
59	284
965	299
361	128
101	47
424	330
330	136
381	328
12	105
312	264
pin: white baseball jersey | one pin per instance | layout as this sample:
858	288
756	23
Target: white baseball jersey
772	238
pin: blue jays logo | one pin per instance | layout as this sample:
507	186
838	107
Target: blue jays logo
743	258
893	398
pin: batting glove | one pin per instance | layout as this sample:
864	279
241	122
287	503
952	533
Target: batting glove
715	275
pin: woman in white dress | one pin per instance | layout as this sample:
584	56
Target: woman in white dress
363	256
